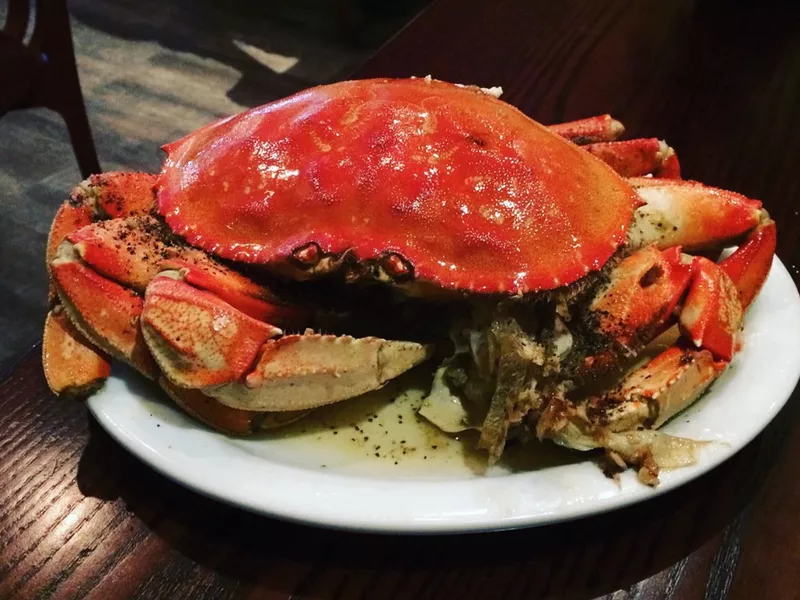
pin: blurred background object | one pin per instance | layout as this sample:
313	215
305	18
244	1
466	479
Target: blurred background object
41	71
152	71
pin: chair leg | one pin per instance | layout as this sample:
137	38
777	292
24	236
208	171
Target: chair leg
73	111
60	87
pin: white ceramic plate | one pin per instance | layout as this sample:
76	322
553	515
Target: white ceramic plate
307	474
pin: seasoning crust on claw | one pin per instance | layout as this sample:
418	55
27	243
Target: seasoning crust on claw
310	250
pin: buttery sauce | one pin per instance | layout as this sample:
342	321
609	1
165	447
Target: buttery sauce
378	435
381	434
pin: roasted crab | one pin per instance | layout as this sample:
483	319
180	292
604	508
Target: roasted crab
553	255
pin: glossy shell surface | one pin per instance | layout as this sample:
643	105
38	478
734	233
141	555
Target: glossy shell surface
474	194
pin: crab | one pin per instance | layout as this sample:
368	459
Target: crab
557	255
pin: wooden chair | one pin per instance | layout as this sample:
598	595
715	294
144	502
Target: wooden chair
42	72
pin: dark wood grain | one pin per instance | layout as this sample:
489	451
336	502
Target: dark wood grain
720	81
81	516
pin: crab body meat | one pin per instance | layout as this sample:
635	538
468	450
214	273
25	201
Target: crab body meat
576	242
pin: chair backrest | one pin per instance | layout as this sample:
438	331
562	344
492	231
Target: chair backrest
49	28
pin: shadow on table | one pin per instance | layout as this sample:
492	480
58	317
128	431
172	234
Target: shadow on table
279	47
581	559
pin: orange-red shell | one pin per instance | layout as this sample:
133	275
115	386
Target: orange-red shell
474	194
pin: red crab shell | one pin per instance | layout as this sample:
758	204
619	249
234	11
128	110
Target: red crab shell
473	193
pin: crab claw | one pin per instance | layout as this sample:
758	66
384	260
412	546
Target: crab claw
298	372
622	421
72	366
642	292
749	266
202	342
712	312
99	196
198	339
690	214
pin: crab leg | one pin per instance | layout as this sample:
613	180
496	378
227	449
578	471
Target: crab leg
624	420
104	196
114	328
638	157
602	128
647	397
100	196
630	158
655	393
72	366
299	372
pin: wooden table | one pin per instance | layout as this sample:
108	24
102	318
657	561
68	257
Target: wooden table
721	82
